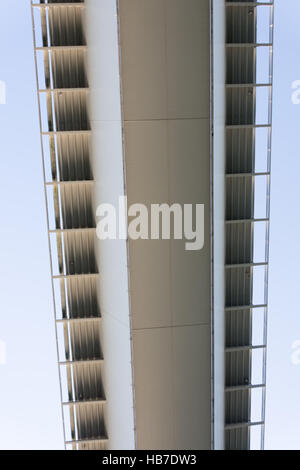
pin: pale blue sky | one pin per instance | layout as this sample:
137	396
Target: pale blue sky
29	393
30	416
283	407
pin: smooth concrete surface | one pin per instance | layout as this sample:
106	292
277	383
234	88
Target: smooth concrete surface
165	76
218	15
171	377
107	161
165	64
169	285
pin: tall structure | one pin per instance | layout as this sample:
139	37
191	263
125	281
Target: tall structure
161	101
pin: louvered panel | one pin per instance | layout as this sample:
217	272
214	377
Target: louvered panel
90	421
240	106
241	1
87	378
94	445
240	25
240	65
64	1
71	171
85	340
69	68
237	405
239	150
238	328
79	252
237	439
71	111
240	110
82	297
239	198
76	205
238	368
238	286
239	239
66	26
73	153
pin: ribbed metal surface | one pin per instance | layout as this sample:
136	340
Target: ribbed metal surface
66	27
237	406
239	151
71	111
239	198
68	68
73	157
241	105
80	214
240	65
87	382
68	149
240	25
237	439
81	298
238	243
238	328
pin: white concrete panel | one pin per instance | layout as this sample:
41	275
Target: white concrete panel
107	141
107	162
118	387
153	369
191	362
103	59
109	185
219	218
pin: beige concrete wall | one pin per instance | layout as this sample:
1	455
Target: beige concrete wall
165	78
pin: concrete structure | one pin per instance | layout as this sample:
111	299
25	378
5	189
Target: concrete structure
157	100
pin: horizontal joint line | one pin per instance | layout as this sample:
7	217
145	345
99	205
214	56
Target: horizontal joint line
243	425
83	361
82	441
237	388
77	320
245	307
83	402
245	348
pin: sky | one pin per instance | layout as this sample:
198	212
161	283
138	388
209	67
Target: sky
283	377
30	412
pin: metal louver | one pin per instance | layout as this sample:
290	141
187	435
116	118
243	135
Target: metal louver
60	52
243	108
